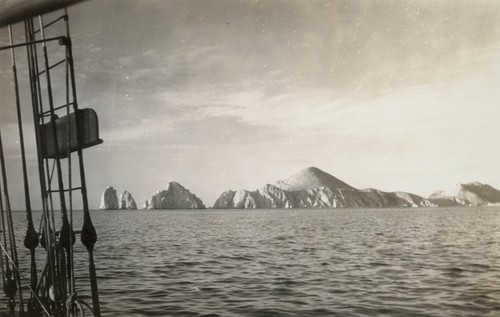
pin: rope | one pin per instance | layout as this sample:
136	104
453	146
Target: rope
3	233
37	105
31	239
43	278
8	284
1	259
10	224
65	233
63	237
71	268
61	281
24	280
78	305
88	236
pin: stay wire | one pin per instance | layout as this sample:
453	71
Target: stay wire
31	239
88	237
10	224
37	108
72	285
54	135
4	236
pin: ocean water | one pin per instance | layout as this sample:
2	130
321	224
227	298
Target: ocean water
392	262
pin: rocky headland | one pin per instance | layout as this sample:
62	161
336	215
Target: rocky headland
313	188
175	196
467	194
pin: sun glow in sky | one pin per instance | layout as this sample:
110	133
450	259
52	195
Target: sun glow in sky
217	95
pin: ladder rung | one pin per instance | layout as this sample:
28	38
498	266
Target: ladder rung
64	190
58	38
51	23
53	66
48	113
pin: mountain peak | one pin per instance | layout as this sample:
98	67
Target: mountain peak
312	169
475	184
310	178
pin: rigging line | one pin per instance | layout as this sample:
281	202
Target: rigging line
80	303
8	288
51	175
31	239
51	225
4	236
10	224
49	193
86	305
37	102
71	267
41	119
3	229
42	276
1	264
24	279
21	133
55	139
42	223
6	194
51	200
64	232
88	237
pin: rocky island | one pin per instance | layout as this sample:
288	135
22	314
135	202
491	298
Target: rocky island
313	188
127	201
175	196
109	200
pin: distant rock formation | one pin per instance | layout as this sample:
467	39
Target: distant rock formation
468	194
313	188
310	178
109	200
127	201
175	196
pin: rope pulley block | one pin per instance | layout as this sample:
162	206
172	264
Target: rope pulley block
9	285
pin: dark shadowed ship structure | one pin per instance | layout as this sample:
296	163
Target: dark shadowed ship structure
61	131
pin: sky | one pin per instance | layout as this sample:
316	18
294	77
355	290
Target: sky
223	94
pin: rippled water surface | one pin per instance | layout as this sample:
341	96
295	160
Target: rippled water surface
398	262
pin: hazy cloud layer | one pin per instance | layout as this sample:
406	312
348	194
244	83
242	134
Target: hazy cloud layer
230	94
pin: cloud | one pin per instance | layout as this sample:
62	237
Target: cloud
258	85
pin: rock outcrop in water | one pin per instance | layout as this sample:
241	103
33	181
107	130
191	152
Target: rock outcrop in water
175	196
127	201
109	200
468	194
313	188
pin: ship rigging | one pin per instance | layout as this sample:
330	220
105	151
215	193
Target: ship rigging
62	130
